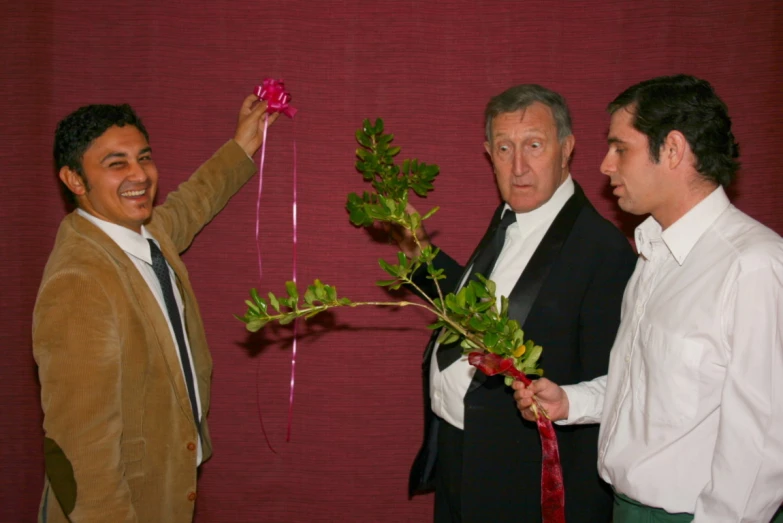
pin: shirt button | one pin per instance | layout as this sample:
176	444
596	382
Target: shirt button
192	496
639	308
191	445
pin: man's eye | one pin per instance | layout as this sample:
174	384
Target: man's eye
146	158
535	145
115	165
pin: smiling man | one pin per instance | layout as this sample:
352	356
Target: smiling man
121	351
691	410
563	268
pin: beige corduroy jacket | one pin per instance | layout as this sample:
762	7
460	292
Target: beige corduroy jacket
120	439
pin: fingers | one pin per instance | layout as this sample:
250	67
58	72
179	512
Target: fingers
247	104
525	398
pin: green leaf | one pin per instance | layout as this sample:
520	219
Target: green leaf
288	318
430	213
318	290
252	307
447	336
255	325
362	138
490	339
290	287
273	302
391	269
386	283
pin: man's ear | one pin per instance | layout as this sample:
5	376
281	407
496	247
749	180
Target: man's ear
674	149
567	148
488	148
73	181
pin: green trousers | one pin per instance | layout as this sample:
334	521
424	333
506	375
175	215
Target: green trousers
627	510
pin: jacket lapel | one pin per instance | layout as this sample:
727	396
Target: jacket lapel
493	225
526	290
148	306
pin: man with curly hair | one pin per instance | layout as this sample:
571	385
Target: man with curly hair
121	351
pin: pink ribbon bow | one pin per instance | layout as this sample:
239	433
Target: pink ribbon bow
277	98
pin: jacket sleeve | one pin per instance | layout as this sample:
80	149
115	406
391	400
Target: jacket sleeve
76	346
599	317
197	200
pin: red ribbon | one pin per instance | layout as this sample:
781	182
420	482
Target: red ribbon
552	491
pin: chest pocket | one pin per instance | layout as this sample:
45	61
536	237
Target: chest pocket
669	376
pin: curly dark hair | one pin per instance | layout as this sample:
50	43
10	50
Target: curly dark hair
689	105
76	132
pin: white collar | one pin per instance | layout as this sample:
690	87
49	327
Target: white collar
681	236
129	241
547	212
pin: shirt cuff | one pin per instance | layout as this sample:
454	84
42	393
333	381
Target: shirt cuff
585	402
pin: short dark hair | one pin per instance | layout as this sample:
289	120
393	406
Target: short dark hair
689	105
523	96
76	132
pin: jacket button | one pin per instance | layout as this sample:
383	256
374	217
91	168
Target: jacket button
192	496
191	446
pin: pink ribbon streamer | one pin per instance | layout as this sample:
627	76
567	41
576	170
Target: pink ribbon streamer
293	352
277	98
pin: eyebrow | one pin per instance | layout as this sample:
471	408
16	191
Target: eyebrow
113	155
612	140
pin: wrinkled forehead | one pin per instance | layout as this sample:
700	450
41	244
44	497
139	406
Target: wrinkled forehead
536	117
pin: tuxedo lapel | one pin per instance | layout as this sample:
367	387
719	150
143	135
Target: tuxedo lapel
526	290
493	225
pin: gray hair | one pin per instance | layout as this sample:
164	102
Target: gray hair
522	97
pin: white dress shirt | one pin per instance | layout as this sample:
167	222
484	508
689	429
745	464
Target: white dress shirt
138	250
691	411
448	388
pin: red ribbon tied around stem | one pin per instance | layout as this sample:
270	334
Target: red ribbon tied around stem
552	492
277	98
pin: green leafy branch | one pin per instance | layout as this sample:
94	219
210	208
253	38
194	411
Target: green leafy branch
469	316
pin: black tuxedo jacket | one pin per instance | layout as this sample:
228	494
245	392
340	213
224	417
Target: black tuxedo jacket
568	301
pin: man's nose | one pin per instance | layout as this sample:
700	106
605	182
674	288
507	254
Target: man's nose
520	165
137	172
608	165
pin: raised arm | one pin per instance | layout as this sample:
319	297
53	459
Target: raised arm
196	201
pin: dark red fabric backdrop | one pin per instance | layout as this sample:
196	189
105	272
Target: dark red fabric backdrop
427	69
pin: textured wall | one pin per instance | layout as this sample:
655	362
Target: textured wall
427	69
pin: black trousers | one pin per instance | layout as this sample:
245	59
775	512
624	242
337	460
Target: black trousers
448	474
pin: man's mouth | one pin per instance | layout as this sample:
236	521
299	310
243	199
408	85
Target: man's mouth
133	194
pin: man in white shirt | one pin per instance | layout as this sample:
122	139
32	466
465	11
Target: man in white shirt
691	410
563	268
118	338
